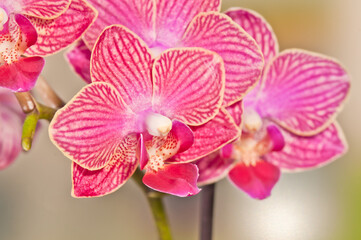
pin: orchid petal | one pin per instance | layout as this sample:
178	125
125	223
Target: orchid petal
302	153
242	57
210	137
119	169
92	125
137	15
303	91
257	181
21	76
236	111
142	153
122	59
276	137
212	168
176	179
45	9
56	34
79	59
173	17
188	85
183	134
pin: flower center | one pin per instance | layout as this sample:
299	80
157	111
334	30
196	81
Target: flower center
158	125
252	122
3	18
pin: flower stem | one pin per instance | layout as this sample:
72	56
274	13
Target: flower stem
207	202
157	207
47	94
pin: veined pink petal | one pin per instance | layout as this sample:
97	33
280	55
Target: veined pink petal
176	179
118	170
20	76
213	167
79	59
303	91
92	125
302	153
122	59
242	57
210	137
173	17
56	34
137	15
45	9
142	153
236	111
188	85
257	181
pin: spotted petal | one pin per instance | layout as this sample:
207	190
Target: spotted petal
118	170
242	57
79	59
92	125
257	181
176	179
56	34
303	91
122	59
302	153
173	17
188	85
210	137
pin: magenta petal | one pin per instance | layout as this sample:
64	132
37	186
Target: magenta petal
210	137
79	60
122	59
176	179
302	153
303	91
257	181
28	32
20	76
184	135
188	85
142	153
120	168
236	111
44	9
137	15
276	137
213	168
92	125
243	60
56	34
173	17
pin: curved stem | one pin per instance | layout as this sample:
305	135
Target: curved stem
207	203
157	207
47	94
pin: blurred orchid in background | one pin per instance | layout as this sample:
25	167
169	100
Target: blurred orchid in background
288	120
31	29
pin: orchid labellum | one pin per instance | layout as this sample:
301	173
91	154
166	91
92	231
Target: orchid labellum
288	120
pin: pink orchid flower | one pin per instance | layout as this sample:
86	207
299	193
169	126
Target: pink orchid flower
138	110
36	28
11	119
165	24
288	119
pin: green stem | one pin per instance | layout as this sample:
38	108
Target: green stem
157	207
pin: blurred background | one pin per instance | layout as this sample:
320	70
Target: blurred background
325	204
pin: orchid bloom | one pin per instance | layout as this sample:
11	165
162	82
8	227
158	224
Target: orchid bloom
165	24
36	28
11	118
288	119
138	110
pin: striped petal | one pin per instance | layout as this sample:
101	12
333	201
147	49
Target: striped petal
188	85
303	91
122	59
176	179
79	59
56	34
137	15
45	9
92	125
302	153
236	111
242	57
210	137
173	17
257	181
212	168
119	169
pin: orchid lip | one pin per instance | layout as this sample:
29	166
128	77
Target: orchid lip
3	18
157	124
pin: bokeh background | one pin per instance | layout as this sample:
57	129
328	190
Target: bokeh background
324	204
